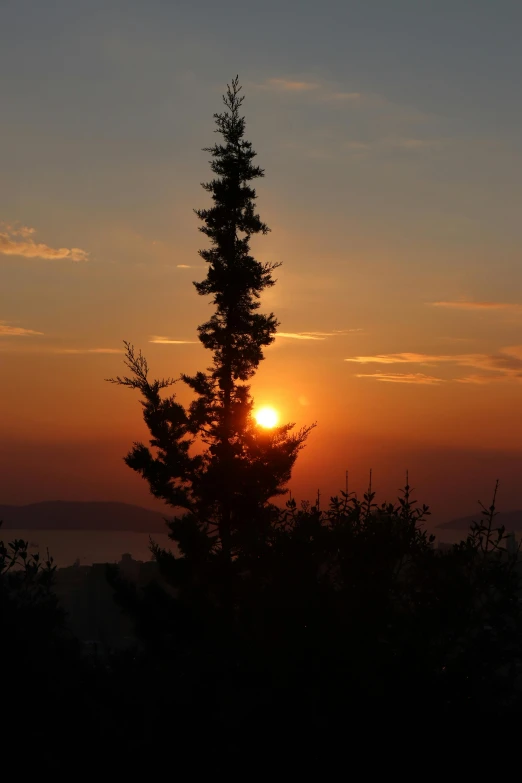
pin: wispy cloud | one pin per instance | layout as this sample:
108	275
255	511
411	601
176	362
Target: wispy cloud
30	347
19	231
104	350
320	90
504	365
452	339
289	85
6	330
73	351
389	129
400	358
466	305
481	380
300	336
361	149
344	96
417	144
18	241
403	377
184	266
169	341
357	146
315	335
514	351
339	332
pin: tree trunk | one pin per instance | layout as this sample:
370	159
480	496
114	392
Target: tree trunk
226	506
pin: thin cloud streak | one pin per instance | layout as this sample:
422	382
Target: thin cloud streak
482	380
418	378
19	242
289	85
417	144
159	340
513	350
321	91
477	305
400	358
299	336
333	333
506	364
16	331
8	347
78	351
315	335
344	96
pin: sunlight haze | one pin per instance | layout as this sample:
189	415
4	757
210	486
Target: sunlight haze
390	134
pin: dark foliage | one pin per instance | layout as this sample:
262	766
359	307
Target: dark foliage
339	612
330	623
42	671
29	609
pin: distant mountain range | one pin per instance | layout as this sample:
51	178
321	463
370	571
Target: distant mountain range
77	515
512	520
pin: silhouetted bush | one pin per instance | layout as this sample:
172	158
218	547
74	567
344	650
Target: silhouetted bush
320	616
54	696
327	613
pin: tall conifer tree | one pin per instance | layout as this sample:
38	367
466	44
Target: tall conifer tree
225	488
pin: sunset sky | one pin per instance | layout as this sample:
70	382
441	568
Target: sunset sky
390	132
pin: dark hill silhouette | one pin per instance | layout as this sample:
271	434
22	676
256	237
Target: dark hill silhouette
512	520
78	515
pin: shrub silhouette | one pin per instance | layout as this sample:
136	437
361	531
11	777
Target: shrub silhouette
346	610
31	617
42	668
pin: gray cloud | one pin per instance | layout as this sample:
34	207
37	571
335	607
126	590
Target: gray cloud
320	90
417	144
289	85
344	96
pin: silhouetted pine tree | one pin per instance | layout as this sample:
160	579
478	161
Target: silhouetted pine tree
225	490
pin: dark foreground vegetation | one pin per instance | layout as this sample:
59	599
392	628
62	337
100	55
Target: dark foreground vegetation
323	624
274	634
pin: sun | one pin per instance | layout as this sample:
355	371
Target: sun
266	417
